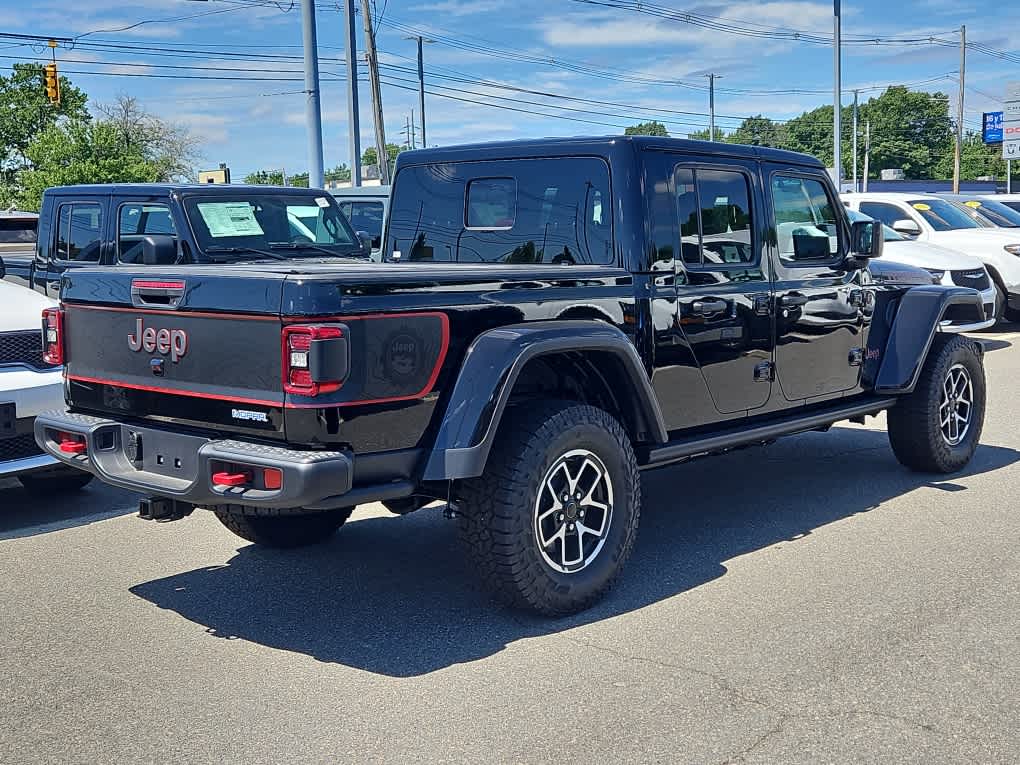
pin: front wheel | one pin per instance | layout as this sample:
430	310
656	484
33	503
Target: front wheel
553	518
261	526
936	428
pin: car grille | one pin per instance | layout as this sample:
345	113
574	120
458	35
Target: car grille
19	447
976	278
22	348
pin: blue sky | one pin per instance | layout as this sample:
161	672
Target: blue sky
627	67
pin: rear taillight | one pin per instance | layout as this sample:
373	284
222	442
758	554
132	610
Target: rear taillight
53	336
315	359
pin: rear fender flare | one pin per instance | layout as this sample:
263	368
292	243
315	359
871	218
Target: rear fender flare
917	320
487	376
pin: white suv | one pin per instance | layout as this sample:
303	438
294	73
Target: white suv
930	218
28	386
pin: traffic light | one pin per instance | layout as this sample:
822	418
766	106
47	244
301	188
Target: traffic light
52	82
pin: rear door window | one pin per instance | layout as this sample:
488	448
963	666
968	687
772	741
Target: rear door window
714	209
135	221
79	232
553	210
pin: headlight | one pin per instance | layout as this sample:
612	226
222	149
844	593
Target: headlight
1012	249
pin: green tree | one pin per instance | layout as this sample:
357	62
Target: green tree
24	113
275	178
339	173
170	146
370	157
81	151
759	131
909	130
647	128
702	135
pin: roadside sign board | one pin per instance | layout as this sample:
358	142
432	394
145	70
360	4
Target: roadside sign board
1011	122
992	127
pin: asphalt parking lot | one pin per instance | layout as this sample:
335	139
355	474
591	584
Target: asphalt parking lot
809	602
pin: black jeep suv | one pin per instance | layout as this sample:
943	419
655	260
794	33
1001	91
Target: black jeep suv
552	317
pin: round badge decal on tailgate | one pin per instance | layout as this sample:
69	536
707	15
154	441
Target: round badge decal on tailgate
402	360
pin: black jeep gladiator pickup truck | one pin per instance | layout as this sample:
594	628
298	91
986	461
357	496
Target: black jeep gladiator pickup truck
552	317
148	224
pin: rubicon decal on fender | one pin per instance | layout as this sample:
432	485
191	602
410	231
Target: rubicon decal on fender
172	342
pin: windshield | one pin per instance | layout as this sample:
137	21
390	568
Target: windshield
942	215
996	213
289	225
888	234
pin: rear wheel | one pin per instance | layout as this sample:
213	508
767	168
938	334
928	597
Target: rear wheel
553	518
270	528
936	428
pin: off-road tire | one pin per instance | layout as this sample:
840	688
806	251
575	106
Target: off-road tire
281	529
64	482
497	509
914	430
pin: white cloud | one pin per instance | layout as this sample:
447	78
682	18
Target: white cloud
460	7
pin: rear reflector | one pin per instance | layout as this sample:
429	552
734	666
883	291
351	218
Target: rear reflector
272	478
231	479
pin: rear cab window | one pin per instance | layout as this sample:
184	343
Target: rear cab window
135	221
520	211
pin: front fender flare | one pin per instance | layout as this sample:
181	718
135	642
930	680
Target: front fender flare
492	365
917	320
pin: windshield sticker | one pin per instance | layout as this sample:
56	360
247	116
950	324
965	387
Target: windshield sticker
922	206
972	203
230	219
322	201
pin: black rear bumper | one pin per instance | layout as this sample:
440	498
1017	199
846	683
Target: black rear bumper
180	466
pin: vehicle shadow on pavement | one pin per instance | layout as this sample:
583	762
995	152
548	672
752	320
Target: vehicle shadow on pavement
23	514
395	596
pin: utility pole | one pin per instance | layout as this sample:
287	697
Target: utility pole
372	59
855	140
353	120
421	83
414	133
837	93
958	154
407	132
867	153
711	104
313	112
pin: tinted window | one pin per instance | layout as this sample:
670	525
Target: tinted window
79	232
942	215
137	220
1013	205
807	228
18	230
886	213
520	211
367	217
992	212
721	199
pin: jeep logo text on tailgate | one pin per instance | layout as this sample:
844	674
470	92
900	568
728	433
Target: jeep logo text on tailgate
165	341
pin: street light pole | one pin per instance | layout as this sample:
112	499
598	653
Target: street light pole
958	153
837	93
313	111
711	104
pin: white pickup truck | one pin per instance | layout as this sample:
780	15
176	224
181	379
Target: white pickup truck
29	384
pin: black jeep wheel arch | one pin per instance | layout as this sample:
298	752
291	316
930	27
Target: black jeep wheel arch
491	368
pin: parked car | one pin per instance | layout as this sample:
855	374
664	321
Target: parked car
29	384
151	225
946	266
934	219
988	212
1010	200
366	208
538	333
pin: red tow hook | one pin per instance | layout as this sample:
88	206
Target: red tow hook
231	479
72	444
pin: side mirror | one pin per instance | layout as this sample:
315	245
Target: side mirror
366	239
866	239
3	269
159	250
907	227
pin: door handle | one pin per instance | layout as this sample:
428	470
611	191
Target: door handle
708	307
793	300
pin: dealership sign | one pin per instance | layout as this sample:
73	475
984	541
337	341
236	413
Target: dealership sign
992	127
1011	122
